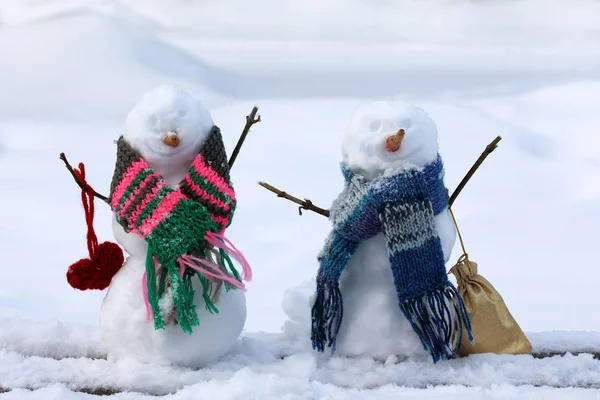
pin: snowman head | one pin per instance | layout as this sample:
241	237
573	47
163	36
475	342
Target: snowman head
167	125
389	134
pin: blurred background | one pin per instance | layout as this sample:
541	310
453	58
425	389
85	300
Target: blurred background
528	70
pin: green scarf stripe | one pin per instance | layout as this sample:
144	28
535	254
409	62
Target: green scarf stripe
225	261
162	282
198	222
184	301
162	192
210	188
133	185
153	297
206	292
188	274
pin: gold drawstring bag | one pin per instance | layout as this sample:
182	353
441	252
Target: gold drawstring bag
494	328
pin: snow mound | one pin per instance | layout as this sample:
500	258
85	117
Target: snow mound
86	66
448	22
52	339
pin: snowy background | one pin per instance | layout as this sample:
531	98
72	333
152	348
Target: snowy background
526	70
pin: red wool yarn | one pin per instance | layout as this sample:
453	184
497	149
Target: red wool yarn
105	259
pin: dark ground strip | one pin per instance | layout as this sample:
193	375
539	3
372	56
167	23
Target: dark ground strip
563	353
94	391
99	391
107	391
538	355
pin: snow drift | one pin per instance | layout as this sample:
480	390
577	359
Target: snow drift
87	67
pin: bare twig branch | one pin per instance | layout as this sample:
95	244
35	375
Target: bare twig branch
488	149
305	204
70	168
250	120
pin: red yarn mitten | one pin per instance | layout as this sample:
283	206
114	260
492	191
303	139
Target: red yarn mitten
105	259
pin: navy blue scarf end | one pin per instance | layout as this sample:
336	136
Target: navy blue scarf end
327	315
435	324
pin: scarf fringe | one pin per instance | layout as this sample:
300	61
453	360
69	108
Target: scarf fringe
209	270
222	243
213	272
327	313
149	291
438	323
226	264
182	295
208	294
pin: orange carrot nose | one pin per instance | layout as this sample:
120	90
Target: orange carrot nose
172	140
392	143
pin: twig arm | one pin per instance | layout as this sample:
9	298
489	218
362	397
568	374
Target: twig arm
250	120
305	204
488	150
70	168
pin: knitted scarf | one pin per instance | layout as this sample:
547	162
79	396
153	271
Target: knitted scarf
183	228
401	204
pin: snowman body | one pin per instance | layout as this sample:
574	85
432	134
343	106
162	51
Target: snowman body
373	324
125	332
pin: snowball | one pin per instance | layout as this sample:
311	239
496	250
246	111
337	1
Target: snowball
164	111
363	147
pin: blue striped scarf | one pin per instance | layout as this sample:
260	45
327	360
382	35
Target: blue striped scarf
402	205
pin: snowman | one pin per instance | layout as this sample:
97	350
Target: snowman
382	287
177	299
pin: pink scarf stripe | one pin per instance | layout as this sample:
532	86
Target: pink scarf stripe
135	193
221	242
222	221
220	274
210	175
128	177
164	208
145	296
142	206
204	195
217	274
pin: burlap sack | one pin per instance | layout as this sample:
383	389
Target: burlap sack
494	328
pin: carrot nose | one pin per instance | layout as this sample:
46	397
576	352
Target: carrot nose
172	140
392	143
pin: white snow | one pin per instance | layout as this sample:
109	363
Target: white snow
265	366
81	61
527	70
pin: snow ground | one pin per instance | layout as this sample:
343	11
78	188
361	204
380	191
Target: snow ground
69	356
71	70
